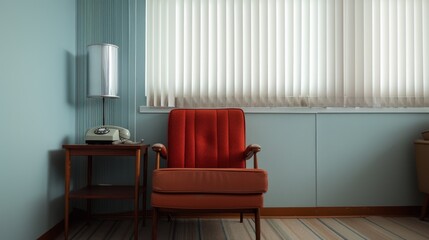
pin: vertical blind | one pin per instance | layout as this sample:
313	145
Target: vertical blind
371	53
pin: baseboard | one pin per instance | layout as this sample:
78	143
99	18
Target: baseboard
294	212
340	211
54	232
273	212
58	229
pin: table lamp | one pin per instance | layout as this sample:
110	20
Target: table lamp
102	72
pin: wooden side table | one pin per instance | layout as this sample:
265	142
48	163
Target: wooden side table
108	192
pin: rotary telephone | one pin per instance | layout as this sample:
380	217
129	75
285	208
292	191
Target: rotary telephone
107	134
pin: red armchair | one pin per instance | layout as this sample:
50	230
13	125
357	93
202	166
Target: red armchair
206	166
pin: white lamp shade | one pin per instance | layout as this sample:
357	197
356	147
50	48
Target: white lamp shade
102	70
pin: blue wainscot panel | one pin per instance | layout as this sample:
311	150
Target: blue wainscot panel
288	154
368	159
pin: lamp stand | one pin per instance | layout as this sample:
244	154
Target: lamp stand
104	122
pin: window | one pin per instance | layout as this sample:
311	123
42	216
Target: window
343	53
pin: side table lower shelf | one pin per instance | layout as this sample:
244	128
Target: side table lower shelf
105	192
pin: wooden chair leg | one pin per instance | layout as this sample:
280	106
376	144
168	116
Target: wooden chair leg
241	217
424	207
154	223
257	224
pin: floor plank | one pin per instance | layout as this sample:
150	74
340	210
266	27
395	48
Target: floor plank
355	228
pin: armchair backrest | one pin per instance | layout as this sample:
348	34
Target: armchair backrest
206	138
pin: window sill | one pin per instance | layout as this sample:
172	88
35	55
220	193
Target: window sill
303	110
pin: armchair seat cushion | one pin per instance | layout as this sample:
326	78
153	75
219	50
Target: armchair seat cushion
210	180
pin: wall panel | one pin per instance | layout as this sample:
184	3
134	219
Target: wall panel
367	159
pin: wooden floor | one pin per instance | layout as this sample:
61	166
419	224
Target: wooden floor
372	227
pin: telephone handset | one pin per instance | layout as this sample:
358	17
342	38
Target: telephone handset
124	133
107	134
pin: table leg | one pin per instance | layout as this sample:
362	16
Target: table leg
144	197
424	207
66	194
89	183
136	194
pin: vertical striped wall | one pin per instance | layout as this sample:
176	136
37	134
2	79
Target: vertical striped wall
102	21
106	21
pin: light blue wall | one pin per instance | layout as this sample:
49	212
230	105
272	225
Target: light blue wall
368	159
313	158
324	160
37	66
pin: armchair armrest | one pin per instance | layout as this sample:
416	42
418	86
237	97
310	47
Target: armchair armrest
250	152
161	151
160	148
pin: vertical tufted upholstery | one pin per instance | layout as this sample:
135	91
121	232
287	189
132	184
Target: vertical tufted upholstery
219	134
